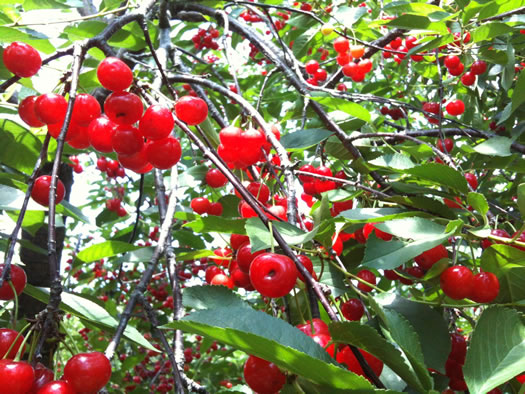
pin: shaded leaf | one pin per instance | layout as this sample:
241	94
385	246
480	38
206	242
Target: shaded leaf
303	139
206	224
496	146
261	238
105	249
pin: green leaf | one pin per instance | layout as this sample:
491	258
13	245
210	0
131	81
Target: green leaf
105	249
497	350
303	139
88	310
210	297
518	97
74	212
261	238
272	339
19	148
374	215
348	16
368	339
393	160
441	174
414	228
521	199
418	22
340	104
496	146
490	30
508	264
417	8
218	224
478	202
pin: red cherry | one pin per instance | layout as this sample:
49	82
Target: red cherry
273	275
7	338
85	109
40	192
263	376
230	136
237	240
320	74
156	123
458	350
468	79
485	287
245	256
123	108
456	71
222	280
452	61
215	209
57	387
114	74
457	281
22	59
16	376
341	87
241	279
433	108
260	191
211	271
346	357
367	276
51	108
100	131
478	67
341	45
319	327
214	178
307	263
430	257
200	205
455	108
163	154
191	110
449	145
137	162
353	309
307	168
88	372
311	66
472	180
127	140
27	112
365	65
454	370
246	211
498	233
43	375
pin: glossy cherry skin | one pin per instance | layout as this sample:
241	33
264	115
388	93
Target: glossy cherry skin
156	123
345	356
472	180
457	281
319	327
245	256
40	192
353	309
449	145
27	112
230	136
114	74
498	232
273	275
452	61
16	376
485	287
164	153
241	279
191	110
263	376
85	109
43	376
88	372
237	240
311	66
458	349
19	280
200	205
222	280
455	107
135	162
126	140
22	59
57	387
214	178
478	67
367	276
51	108
123	108
100	132
260	191
430	257
7	338
341	45
307	263
211	271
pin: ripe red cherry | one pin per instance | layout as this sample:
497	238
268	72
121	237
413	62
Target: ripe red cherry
137	162
498	232
307	263
100	131
263	376
85	109
123	108
485	287
7	338
365	65
346	357
457	282
456	71
211	271
163	154
57	387
319	327
452	61
200	205
237	240
16	376
448	145
458	350
273	275
260	191
191	110
353	309
341	45
478	67
221	279
214	178
245	256
19	280
320	74
468	78
51	108
22	59
230	136
367	276
114	74
43	375
88	372
156	123
40	192
433	108
455	108
430	257
127	140
27	112
472	180
241	279
311	66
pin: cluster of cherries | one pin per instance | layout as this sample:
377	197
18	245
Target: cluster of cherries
347	58
454	108
205	38
401	45
455	67
395	113
313	185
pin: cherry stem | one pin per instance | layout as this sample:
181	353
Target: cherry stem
15	298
